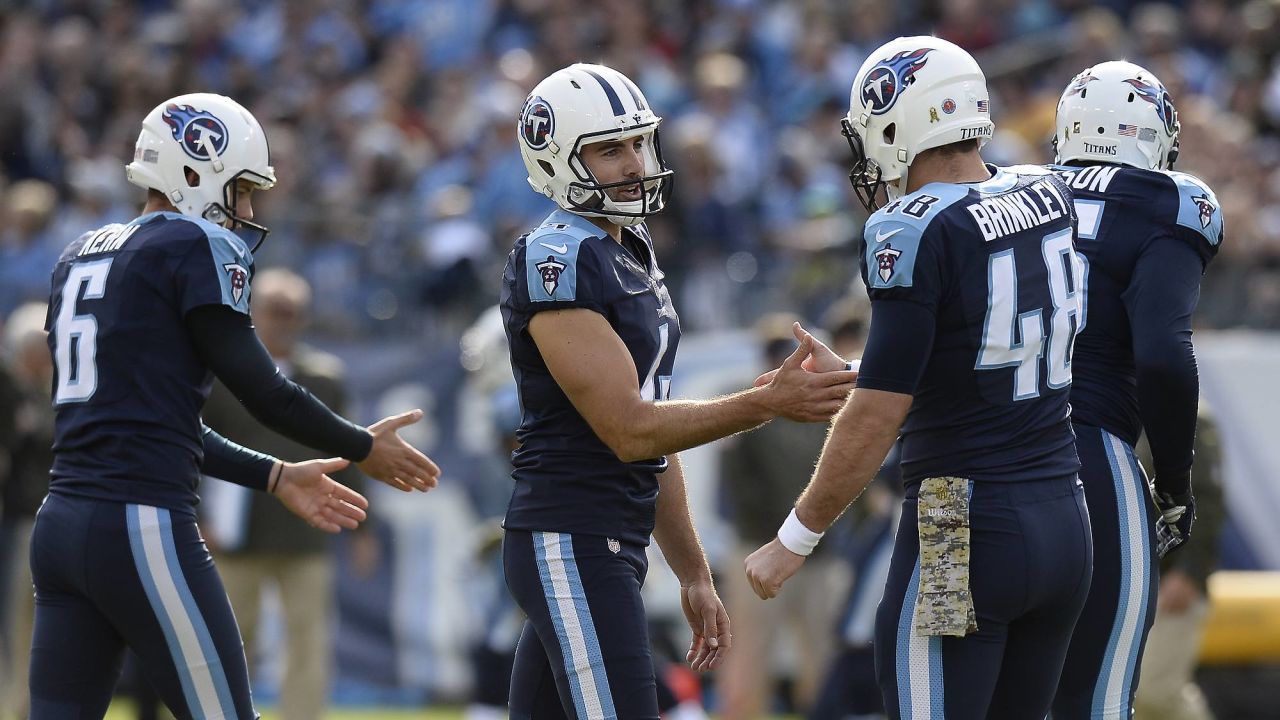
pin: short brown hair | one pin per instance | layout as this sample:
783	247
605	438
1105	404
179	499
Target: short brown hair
955	148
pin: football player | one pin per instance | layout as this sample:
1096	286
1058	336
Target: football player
976	298
139	316
593	338
1147	234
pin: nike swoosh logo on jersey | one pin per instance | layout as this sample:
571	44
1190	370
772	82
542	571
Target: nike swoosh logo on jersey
562	249
882	236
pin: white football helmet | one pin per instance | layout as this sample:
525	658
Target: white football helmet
1117	112
217	139
911	94
577	106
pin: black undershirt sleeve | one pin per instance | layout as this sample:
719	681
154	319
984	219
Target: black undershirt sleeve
226	342
1160	300
898	346
234	463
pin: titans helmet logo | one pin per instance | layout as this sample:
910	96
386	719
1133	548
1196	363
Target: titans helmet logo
1080	82
201	135
886	81
1207	209
537	123
1158	96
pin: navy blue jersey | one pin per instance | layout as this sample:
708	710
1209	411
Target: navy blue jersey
566	478
977	295
1142	232
128	386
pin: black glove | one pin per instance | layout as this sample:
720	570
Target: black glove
1173	527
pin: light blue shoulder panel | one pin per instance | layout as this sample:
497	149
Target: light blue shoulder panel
1198	207
232	261
551	256
893	234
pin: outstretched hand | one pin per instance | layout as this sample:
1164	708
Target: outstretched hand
820	359
326	504
804	396
396	462
710	624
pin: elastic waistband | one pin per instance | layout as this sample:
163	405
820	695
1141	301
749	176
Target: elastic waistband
1042	488
63	494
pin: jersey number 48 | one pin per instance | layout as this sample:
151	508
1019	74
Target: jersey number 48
1018	340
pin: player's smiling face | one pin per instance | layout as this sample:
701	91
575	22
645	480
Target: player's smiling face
613	161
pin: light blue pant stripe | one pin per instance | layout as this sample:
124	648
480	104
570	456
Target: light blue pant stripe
919	663
1115	677
211	657
548	591
157	607
600	675
575	630
1142	570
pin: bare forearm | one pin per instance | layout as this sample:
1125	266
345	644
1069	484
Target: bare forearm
595	370
671	426
859	439
674	529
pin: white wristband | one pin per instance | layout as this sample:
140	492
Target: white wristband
797	538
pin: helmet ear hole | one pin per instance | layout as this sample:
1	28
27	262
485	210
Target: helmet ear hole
547	168
890	132
1084	93
193	177
1130	97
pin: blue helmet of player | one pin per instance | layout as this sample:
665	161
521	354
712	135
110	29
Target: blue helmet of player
193	148
1117	112
912	94
577	106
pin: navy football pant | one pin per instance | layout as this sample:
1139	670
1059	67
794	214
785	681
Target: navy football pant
584	652
1030	561
1101	672
110	575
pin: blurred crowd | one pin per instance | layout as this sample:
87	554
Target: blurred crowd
392	130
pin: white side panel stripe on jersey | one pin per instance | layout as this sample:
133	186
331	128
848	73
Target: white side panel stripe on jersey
203	683
571	615
1116	677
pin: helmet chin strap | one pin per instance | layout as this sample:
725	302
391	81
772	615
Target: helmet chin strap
633	207
625	220
893	189
612	210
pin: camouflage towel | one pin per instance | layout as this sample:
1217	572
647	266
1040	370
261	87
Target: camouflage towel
944	605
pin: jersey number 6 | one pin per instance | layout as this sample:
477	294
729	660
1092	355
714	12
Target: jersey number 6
76	336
